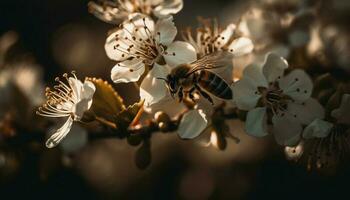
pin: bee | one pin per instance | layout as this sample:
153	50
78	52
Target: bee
199	76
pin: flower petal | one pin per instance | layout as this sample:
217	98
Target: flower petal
317	129
88	90
298	85
241	46
166	31
167	104
307	111
286	129
114	48
80	108
77	87
152	89
225	36
274	67
168	7
192	124
342	114
56	138
122	74
256	122
137	21
244	92
254	72
180	53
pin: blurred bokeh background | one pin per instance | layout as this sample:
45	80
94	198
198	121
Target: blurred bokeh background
60	36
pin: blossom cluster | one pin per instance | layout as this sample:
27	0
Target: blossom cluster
190	82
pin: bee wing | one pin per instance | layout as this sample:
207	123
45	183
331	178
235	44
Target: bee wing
214	60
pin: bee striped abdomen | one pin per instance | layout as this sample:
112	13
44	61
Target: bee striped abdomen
214	84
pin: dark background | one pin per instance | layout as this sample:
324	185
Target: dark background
38	24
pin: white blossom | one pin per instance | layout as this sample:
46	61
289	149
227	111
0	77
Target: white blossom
141	45
211	38
112	11
68	101
285	101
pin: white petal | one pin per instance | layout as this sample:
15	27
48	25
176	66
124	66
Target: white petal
192	124
139	26
88	90
139	20
225	36
166	30
342	114
56	137
256	122
80	108
254	72
241	46
317	129
306	112
122	74
274	67
68	105
153	89
180	53
77	87
113	52
244	93
286	129
168	105
168	7
298	85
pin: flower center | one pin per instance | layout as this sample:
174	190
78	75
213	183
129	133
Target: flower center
208	38
273	98
60	101
140	43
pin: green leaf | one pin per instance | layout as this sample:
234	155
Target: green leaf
129	116
106	101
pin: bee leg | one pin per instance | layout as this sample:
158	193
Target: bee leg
204	94
180	94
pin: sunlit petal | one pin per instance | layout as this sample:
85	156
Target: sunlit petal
274	67
153	89
180	53
56	138
256	122
192	124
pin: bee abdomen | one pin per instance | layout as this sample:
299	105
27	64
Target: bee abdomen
214	84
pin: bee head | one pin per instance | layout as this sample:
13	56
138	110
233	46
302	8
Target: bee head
171	83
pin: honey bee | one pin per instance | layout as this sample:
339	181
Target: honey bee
199	76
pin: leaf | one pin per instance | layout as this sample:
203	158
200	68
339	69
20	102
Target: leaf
106	101
129	116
